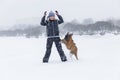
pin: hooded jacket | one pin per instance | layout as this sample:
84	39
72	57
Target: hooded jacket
52	26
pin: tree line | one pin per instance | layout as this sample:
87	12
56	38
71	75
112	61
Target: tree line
99	27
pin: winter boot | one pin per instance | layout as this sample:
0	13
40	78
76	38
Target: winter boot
45	60
64	59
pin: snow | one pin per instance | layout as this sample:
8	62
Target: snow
99	59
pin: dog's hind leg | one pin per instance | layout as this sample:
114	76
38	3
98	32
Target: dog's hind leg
71	56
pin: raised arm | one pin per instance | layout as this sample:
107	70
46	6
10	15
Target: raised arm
43	21
60	18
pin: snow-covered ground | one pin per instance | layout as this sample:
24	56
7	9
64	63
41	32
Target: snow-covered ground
99	59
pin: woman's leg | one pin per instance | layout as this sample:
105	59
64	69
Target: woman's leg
48	49
59	48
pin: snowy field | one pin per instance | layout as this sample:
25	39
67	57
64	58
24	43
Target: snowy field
99	59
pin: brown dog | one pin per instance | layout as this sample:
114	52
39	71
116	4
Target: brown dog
68	41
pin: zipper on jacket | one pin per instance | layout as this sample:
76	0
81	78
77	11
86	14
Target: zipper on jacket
53	28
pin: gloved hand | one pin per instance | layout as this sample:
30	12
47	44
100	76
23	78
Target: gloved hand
56	12
45	13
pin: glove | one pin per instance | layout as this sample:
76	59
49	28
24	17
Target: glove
56	12
45	13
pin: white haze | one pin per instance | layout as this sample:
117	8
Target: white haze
30	11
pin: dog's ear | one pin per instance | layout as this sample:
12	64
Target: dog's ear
71	34
67	33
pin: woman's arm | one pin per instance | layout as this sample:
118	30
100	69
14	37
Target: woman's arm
43	21
60	21
60	18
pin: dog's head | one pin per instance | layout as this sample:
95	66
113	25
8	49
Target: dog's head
67	37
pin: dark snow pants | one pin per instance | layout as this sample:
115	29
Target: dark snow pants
58	46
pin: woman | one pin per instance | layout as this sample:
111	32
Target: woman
53	35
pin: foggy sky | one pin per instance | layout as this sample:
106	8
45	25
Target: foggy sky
12	10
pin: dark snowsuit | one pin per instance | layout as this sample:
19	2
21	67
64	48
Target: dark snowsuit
53	36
